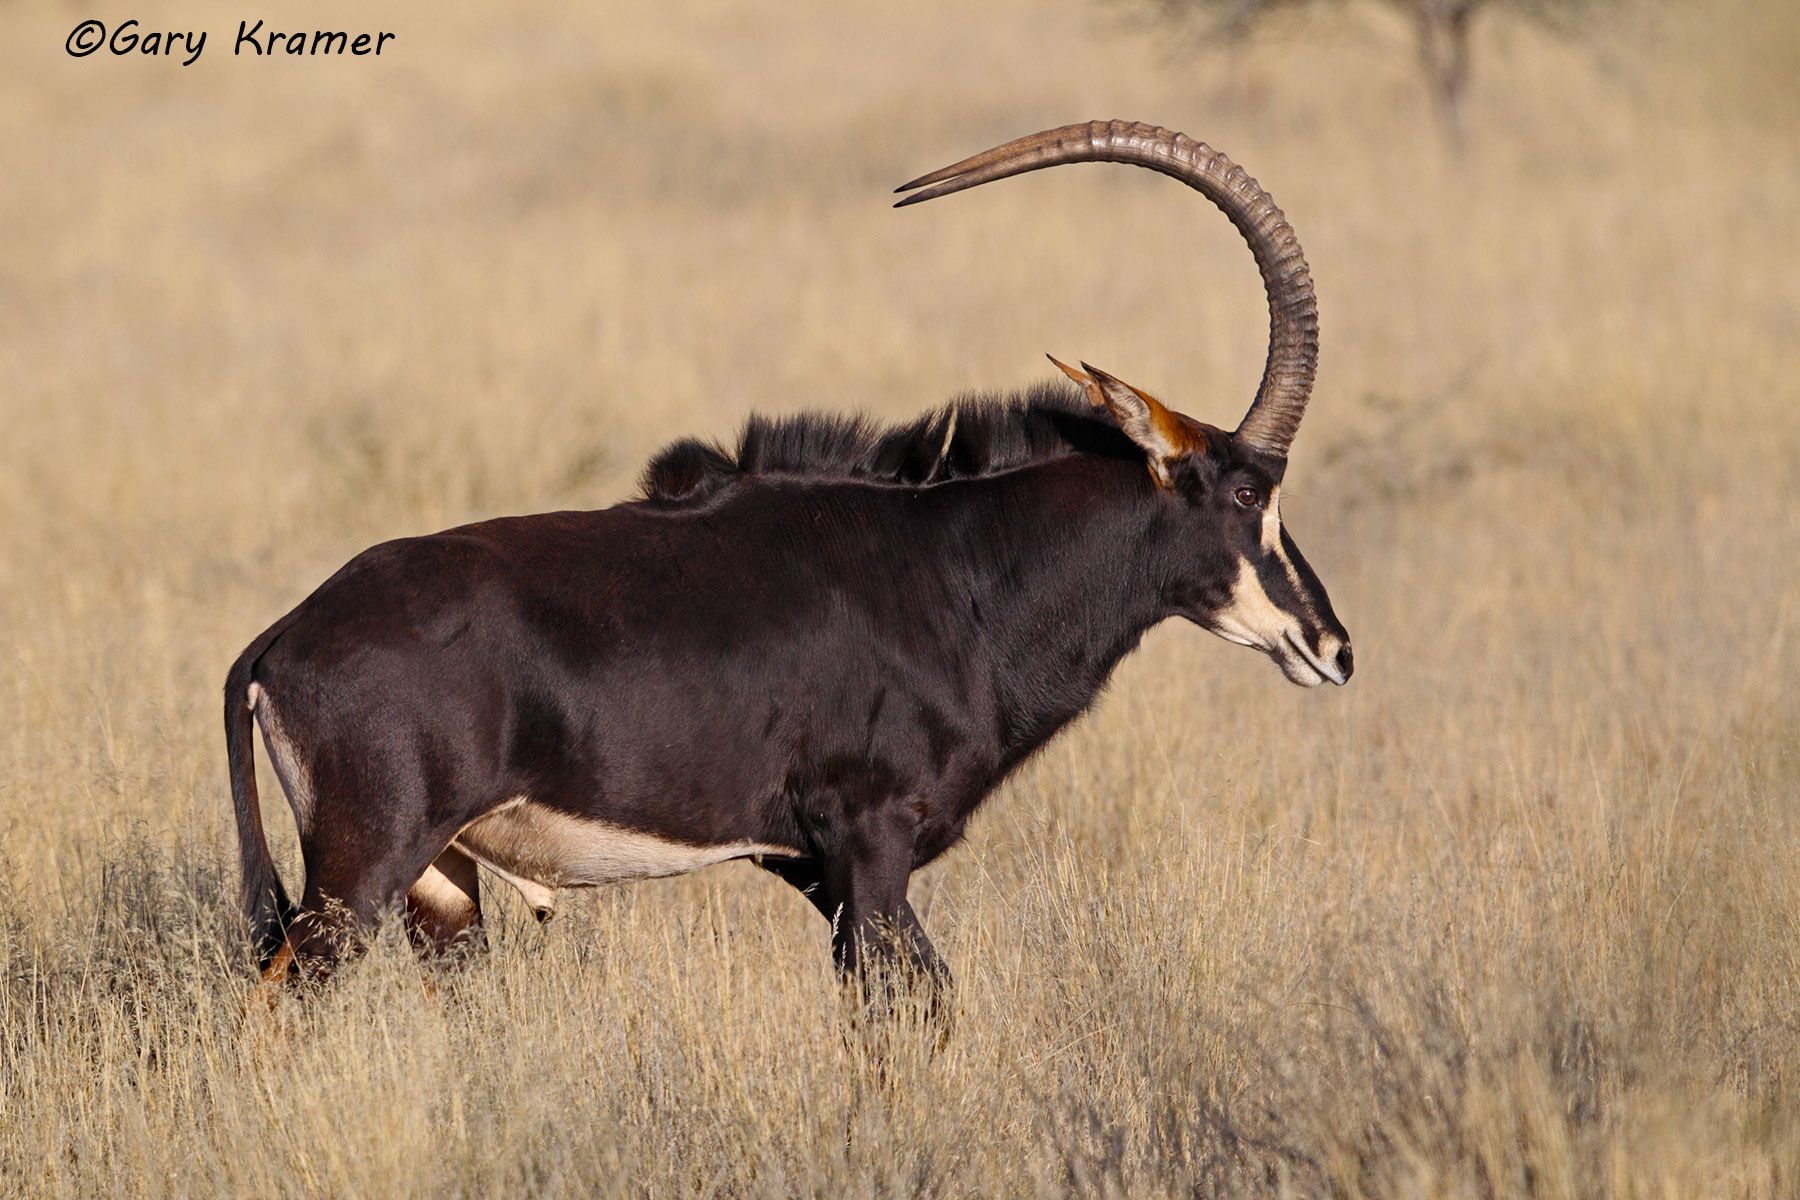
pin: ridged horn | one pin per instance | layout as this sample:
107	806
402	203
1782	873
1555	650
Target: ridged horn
1287	378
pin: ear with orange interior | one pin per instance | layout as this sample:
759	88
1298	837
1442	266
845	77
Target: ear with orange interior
1162	433
1094	395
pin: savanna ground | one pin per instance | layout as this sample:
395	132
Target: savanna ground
1512	914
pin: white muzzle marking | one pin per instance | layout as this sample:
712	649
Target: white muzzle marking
1252	619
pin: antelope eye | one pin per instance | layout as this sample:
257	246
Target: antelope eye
1247	497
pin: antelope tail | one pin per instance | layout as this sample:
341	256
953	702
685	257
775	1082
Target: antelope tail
265	903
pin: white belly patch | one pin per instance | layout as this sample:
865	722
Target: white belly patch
538	849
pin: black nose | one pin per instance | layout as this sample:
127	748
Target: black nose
1346	662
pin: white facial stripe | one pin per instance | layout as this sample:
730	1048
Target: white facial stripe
1271	536
290	768
1250	616
537	849
1252	619
1325	662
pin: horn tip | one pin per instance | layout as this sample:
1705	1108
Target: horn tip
917	197
930	193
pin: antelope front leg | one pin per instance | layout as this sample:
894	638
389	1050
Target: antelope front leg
874	928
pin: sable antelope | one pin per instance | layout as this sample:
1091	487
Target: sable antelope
820	650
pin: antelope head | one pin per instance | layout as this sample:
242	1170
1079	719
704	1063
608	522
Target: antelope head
1232	566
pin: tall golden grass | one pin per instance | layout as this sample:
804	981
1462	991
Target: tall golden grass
1513	914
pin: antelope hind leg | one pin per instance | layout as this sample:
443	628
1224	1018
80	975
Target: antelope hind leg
443	909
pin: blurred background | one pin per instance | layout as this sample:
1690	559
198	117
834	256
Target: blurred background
257	314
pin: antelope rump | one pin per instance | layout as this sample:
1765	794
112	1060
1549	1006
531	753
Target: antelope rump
821	649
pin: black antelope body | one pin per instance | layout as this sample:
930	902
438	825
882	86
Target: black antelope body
820	650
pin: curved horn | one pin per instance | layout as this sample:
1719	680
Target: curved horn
1293	312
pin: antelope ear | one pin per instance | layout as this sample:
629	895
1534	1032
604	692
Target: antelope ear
1162	433
1086	381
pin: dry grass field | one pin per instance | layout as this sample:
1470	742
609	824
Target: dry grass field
1514	914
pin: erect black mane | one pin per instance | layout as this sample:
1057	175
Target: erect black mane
967	438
